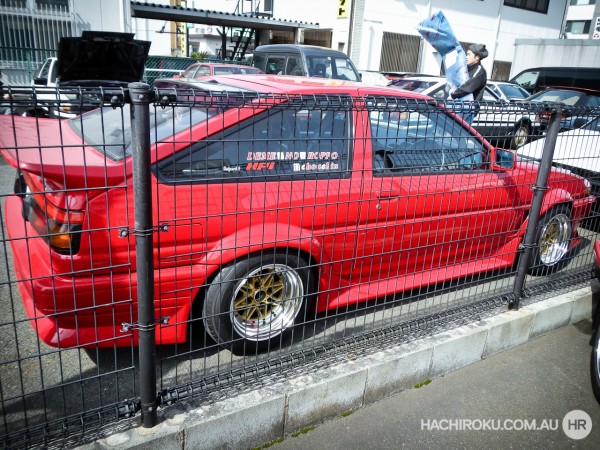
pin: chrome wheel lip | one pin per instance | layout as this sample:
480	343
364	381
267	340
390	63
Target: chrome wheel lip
520	136
554	240
281	315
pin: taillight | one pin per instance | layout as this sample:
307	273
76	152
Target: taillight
60	228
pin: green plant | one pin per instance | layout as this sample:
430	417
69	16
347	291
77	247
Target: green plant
201	56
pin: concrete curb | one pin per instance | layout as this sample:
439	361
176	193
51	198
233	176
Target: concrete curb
254	418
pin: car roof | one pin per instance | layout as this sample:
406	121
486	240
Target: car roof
297	48
570	88
293	85
213	64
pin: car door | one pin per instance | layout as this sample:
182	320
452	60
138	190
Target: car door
431	200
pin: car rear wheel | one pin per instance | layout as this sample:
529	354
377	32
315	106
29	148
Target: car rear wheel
254	303
520	135
553	241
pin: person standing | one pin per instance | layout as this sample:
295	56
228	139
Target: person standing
477	78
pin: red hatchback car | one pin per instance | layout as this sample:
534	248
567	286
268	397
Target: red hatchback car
323	195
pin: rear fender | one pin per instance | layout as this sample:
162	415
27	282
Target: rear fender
268	236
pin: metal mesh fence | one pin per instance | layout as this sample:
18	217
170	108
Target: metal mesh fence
284	229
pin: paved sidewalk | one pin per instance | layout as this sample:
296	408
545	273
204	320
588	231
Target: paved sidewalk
543	379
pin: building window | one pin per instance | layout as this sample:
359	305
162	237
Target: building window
583	2
540	6
62	5
578	26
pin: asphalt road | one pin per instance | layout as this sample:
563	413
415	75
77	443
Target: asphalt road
39	383
542	380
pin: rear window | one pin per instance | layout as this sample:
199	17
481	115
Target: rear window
109	130
414	85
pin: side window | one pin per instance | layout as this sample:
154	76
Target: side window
422	141
284	142
43	73
294	66
488	96
527	79
592	101
259	61
275	65
203	71
440	94
189	73
223	70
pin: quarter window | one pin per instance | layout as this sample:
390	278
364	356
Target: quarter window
282	143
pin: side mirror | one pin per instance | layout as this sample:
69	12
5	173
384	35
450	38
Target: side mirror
502	159
40	81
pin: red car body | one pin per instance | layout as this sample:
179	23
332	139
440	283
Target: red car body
369	235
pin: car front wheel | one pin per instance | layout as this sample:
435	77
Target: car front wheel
553	241
254	303
520	135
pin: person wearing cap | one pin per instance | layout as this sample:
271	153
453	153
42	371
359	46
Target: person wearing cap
477	74
477	78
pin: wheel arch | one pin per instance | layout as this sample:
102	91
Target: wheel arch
229	250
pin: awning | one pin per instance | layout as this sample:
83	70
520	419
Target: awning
142	10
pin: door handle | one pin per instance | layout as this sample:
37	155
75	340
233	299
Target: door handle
387	194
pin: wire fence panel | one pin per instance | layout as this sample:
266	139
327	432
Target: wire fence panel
286	227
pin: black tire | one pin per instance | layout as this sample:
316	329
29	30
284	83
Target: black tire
553	240
254	303
520	135
595	362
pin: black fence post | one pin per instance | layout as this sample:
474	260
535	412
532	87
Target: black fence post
141	96
539	189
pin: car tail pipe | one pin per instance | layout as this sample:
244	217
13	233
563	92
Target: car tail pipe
540	187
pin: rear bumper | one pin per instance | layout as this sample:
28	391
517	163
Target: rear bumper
83	309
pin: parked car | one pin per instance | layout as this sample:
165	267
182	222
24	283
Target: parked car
507	91
200	70
536	79
567	96
70	83
305	61
497	120
272	211
373	78
577	151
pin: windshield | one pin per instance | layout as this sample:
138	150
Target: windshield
592	125
558	96
109	130
512	91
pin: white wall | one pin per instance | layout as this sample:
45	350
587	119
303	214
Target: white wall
104	15
531	53
488	22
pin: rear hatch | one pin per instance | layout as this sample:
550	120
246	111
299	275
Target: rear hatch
100	58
